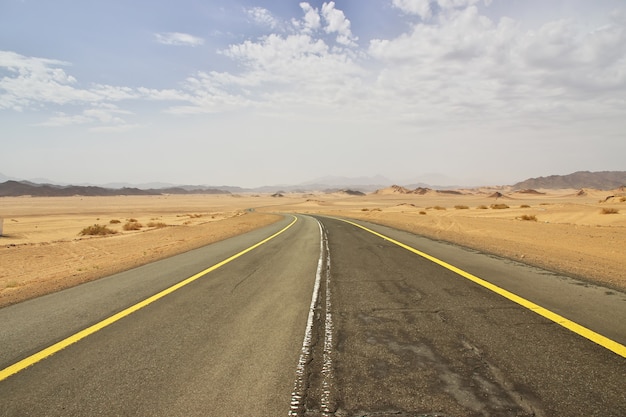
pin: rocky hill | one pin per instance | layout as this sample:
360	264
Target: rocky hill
20	188
603	180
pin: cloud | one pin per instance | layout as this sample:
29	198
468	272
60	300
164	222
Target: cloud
426	8
281	70
178	39
457	67
312	20
30	80
462	65
336	22
263	17
420	8
101	117
36	83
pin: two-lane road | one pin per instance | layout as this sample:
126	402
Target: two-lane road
388	333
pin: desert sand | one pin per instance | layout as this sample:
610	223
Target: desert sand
581	233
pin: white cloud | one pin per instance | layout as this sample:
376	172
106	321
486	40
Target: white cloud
100	117
457	67
464	66
178	39
31	80
336	22
36	83
424	8
420	8
312	19
263	17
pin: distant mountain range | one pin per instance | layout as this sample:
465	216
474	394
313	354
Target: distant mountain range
604	180
11	187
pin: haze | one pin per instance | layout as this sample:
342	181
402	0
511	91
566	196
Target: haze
252	93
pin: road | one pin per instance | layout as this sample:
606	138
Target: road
318	317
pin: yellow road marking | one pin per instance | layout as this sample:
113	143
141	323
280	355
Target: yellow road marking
51	350
603	341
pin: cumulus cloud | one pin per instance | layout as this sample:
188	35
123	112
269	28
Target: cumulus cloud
425	8
33	82
336	22
420	8
283	69
312	20
465	65
178	39
453	65
263	17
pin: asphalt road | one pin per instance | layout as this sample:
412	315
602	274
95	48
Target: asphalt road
388	333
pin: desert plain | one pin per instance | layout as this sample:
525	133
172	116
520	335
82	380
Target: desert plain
580	233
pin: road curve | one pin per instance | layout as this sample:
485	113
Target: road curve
386	332
226	344
414	338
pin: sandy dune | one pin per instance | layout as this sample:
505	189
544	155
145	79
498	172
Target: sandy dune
568	231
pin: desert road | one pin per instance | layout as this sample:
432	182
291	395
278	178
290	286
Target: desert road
316	316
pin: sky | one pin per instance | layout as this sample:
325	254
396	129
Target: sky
250	93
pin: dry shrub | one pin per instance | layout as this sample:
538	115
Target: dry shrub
97	230
482	207
115	221
524	206
499	206
422	212
529	217
195	216
609	210
132	220
622	200
439	208
132	225
461	207
158	225
365	209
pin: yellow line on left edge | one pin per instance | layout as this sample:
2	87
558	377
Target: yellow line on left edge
51	350
597	338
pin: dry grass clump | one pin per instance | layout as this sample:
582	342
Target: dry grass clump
97	230
461	207
438	208
622	200
528	217
158	225
482	207
609	210
499	206
115	221
524	206
422	212
132	224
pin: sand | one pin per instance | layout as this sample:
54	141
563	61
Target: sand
42	251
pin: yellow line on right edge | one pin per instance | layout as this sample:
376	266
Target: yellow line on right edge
51	350
603	341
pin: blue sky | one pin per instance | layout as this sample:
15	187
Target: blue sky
254	93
